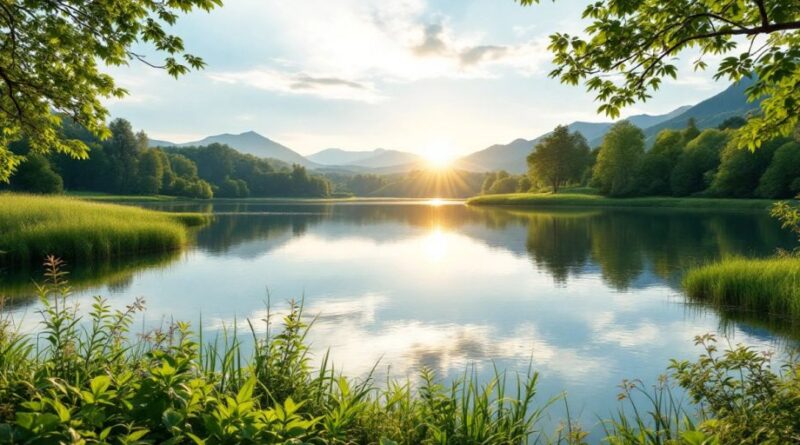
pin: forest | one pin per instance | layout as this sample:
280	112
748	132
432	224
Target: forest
686	163
123	164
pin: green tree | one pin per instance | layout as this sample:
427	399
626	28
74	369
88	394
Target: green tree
732	123
559	158
524	184
35	175
51	59
506	184
151	172
697	164
488	180
740	170
782	177
638	43
123	149
657	164
619	159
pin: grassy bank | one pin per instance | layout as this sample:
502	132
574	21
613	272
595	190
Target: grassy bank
590	200
32	227
94	381
765	286
98	196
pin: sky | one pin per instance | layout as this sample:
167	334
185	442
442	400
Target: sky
417	75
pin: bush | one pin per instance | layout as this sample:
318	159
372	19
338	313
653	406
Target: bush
36	176
698	163
782	177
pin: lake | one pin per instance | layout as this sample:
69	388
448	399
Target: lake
588	297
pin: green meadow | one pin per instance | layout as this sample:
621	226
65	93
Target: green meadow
32	227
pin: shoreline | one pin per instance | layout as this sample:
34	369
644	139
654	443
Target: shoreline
585	200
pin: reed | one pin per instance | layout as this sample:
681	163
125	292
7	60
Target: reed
769	287
32	227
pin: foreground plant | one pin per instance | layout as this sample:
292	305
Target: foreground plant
92	381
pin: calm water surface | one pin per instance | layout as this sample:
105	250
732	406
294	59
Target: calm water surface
589	297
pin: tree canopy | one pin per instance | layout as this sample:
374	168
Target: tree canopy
559	158
51	60
631	46
619	159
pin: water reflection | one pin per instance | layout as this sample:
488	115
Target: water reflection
19	285
588	297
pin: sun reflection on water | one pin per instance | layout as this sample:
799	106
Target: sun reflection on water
436	245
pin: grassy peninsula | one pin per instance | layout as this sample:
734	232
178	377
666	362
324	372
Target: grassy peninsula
32	227
594	200
768	286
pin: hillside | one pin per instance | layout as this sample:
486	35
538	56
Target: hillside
248	142
712	111
708	113
337	156
511	156
373	159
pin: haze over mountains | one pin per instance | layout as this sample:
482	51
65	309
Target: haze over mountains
511	156
377	158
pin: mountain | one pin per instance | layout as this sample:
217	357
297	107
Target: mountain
255	144
248	142
708	113
712	111
511	156
647	120
337	156
379	158
159	143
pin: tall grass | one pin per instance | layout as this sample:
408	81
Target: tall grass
592	200
765	286
34	226
93	381
96	382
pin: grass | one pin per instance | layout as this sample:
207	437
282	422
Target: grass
95	381
765	286
98	196
591	200
32	227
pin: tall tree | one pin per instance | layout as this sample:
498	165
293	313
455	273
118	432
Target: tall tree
618	160
123	149
638	42
51	60
559	158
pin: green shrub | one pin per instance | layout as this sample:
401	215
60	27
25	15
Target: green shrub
95	381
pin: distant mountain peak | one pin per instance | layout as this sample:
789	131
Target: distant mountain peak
707	113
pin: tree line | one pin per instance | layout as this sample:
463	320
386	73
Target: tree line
687	162
125	164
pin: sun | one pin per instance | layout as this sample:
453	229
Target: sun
439	156
438	160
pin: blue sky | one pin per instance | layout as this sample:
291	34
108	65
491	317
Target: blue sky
415	75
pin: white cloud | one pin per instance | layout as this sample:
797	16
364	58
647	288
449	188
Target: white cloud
327	87
343	49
